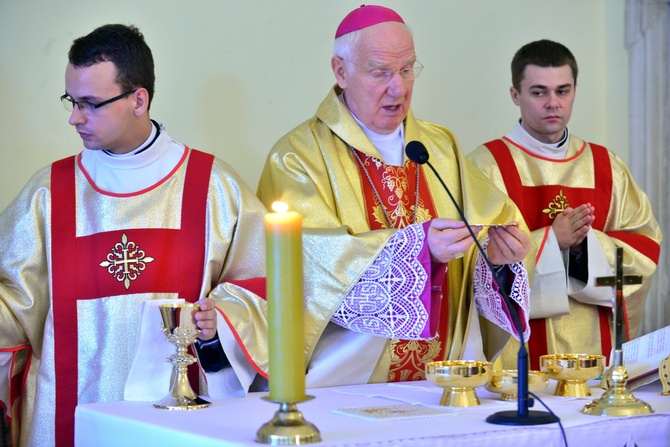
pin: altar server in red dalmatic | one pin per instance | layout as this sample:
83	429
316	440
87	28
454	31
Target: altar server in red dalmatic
581	202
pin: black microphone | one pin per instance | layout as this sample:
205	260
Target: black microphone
418	153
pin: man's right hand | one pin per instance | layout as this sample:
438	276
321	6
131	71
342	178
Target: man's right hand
449	239
572	225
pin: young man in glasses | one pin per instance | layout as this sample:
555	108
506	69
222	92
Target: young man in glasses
346	172
136	216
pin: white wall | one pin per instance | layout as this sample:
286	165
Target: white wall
233	76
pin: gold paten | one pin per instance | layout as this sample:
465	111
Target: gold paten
181	331
572	371
288	427
617	400
506	383
459	378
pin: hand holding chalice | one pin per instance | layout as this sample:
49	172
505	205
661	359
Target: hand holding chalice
181	331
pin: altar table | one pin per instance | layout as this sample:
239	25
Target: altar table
234	422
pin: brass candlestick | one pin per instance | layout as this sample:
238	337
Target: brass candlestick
288	427
181	331
617	400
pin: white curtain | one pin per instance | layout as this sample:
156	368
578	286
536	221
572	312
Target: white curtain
648	43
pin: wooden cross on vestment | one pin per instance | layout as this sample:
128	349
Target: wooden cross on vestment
618	281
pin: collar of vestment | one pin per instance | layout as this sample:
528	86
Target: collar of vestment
335	114
136	171
391	146
556	151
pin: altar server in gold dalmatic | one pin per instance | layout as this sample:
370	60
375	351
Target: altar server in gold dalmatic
579	200
345	170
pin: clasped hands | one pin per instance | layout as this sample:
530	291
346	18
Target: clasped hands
572	225
448	239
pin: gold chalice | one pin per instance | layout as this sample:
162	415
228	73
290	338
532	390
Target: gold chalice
182	332
572	371
506	382
459	378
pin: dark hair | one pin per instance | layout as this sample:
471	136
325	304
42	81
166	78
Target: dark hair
122	45
543	53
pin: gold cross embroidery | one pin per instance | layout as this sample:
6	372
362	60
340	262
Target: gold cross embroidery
557	205
126	261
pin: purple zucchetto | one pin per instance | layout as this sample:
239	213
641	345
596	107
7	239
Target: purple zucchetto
365	16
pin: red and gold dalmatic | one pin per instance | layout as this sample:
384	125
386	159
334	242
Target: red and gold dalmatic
114	263
313	168
77	263
542	188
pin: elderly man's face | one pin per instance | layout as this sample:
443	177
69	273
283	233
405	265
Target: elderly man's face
381	106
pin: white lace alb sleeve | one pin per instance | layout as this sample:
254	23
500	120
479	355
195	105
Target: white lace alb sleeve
490	302
386	301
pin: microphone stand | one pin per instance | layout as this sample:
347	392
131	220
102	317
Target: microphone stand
522	416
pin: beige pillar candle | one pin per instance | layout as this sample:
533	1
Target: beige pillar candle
283	239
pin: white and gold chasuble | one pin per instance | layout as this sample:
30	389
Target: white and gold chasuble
543	187
313	168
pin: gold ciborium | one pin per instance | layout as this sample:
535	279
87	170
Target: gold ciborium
572	371
459	378
506	383
182	332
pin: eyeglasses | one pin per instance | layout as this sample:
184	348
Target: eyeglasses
381	76
89	107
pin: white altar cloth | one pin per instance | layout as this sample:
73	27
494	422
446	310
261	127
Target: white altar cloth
234	422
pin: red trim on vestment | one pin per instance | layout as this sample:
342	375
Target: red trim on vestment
130	194
248	356
537	343
192	239
645	245
258	287
562	160
253	285
194	218
540	249
63	229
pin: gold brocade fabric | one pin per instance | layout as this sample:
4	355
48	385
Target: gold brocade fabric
313	169
629	212
108	327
